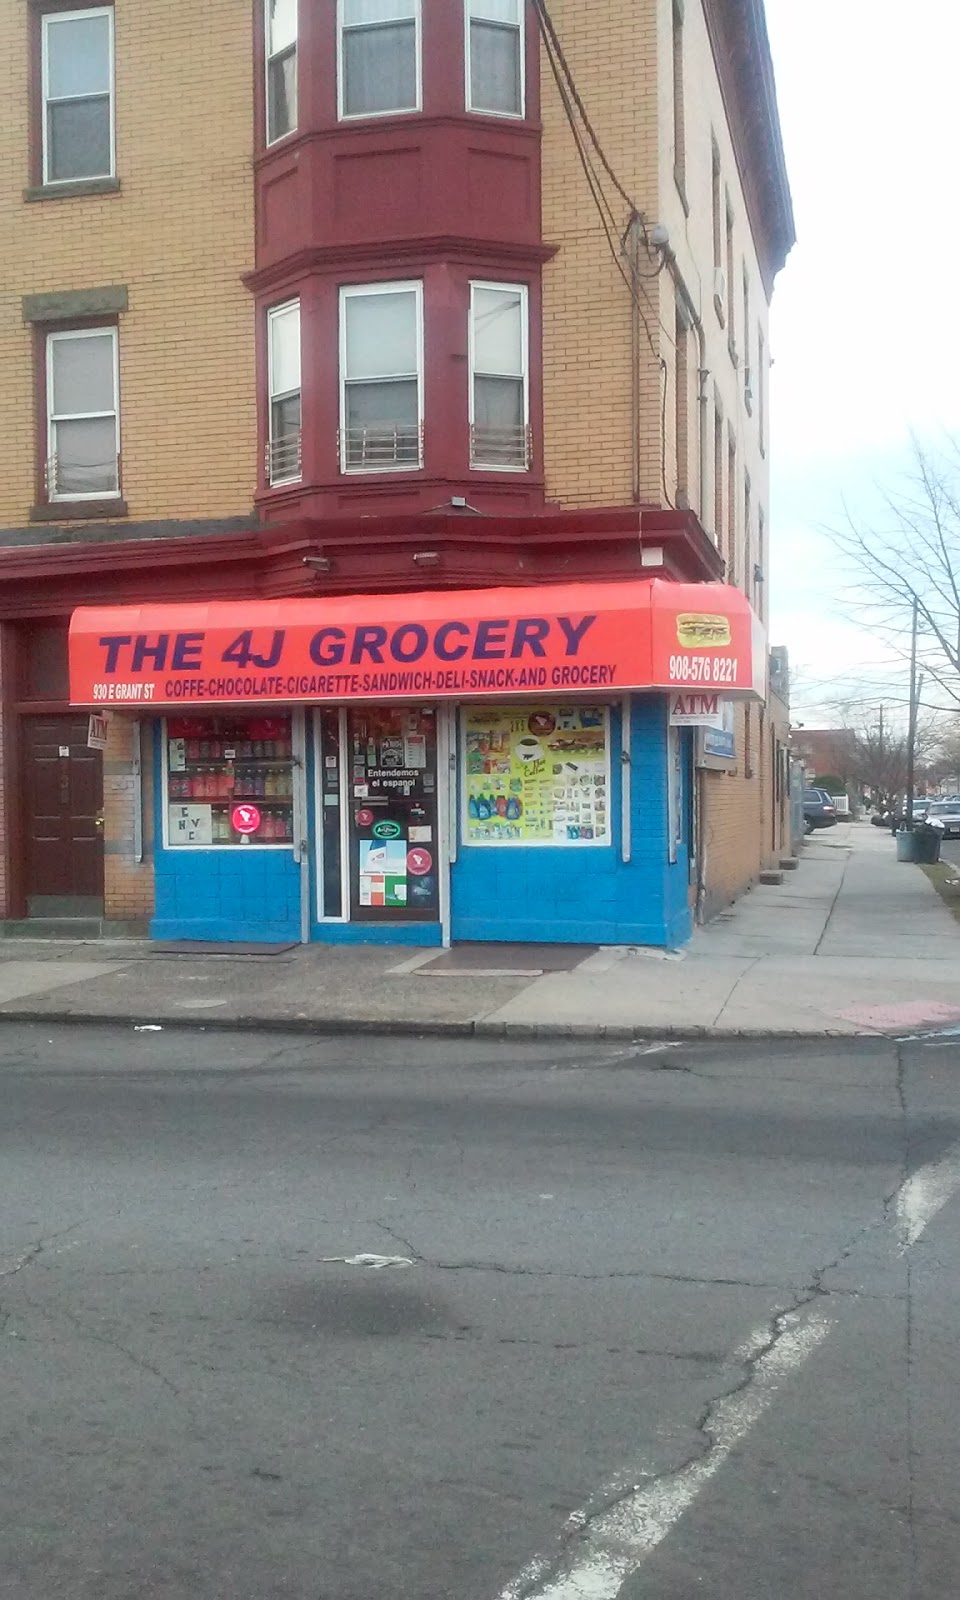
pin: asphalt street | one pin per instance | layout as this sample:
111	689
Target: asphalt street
655	1321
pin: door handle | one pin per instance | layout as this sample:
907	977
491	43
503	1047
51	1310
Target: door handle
98	821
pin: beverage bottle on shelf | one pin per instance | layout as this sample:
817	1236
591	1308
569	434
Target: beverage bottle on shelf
193	749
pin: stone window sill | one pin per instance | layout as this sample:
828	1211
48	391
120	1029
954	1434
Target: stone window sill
72	191
79	510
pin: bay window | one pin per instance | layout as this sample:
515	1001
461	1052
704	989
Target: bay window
83	437
494	52
281	21
379	56
499	379
77	87
283	364
381	376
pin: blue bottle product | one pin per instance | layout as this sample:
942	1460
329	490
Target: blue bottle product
483	808
473	810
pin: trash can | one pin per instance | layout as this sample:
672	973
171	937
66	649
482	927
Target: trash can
907	845
921	845
927	845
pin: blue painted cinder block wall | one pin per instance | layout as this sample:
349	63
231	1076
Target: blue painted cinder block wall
590	896
240	894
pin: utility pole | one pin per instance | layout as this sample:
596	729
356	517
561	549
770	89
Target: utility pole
912	729
880	767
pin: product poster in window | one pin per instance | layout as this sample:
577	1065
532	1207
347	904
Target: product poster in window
536	776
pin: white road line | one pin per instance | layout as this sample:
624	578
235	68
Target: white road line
616	1543
926	1193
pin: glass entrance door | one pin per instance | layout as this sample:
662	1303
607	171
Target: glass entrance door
391	778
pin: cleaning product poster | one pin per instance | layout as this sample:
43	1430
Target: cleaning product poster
538	776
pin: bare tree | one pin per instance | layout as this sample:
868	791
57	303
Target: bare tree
914	558
870	750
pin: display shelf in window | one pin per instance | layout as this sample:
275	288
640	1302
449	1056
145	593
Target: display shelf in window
228	781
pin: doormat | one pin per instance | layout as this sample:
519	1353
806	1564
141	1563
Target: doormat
200	947
504	960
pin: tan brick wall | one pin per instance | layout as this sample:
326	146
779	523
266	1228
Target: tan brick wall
691	237
621	57
179	235
588	410
128	884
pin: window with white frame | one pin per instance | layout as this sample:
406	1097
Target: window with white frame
281	21
283	362
77	83
499	386
495	57
83	424
379	52
381	376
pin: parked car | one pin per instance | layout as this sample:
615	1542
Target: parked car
819	810
897	818
944	815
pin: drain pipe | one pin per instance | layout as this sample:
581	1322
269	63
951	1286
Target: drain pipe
661	239
703	371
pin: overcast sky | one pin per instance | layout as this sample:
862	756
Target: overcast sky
864	329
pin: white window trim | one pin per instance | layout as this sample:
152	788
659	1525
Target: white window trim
268	56
524	292
483	111
52	19
402	111
273	314
258	844
351	291
81	416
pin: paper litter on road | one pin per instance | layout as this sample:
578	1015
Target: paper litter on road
147	1027
376	1262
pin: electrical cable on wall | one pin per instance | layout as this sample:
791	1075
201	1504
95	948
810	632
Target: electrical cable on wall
585	137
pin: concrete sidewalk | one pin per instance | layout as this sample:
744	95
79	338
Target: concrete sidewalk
851	943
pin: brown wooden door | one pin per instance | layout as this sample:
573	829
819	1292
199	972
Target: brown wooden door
63	802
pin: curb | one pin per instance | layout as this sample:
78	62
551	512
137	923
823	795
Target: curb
406	1028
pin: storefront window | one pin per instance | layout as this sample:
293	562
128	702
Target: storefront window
229	781
537	775
393	814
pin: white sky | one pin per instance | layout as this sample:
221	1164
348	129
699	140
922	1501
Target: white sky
864	332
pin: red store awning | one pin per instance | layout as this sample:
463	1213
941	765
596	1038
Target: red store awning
579	637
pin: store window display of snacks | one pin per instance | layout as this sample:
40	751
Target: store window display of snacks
539	776
229	780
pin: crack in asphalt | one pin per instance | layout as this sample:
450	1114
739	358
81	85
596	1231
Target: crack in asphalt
541	1573
783	1322
51	1314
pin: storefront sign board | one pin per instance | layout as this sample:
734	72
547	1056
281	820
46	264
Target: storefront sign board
97	731
696	709
556	639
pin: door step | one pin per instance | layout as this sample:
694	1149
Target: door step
72	928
